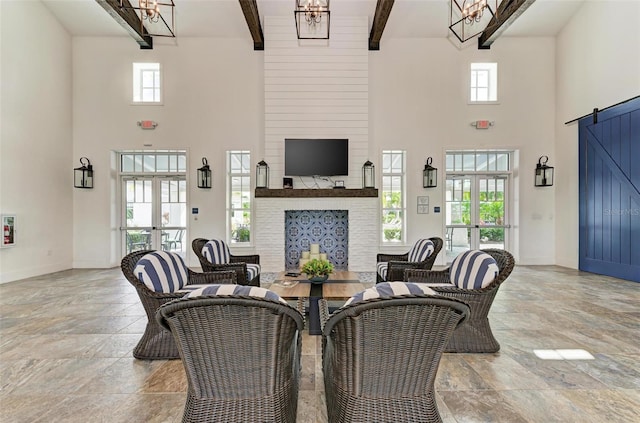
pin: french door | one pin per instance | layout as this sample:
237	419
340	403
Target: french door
154	213
477	214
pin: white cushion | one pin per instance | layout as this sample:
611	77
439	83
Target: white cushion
473	269
162	271
232	290
389	290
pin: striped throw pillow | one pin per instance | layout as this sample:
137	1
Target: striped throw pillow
162	271
421	250
253	270
230	290
216	251
383	269
389	290
473	269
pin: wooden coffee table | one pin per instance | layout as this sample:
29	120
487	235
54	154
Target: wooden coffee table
341	285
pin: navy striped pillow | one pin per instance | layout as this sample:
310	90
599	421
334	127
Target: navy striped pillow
473	269
229	289
421	250
389	290
216	251
162	271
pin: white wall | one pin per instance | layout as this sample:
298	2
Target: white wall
36	177
213	102
598	65
418	102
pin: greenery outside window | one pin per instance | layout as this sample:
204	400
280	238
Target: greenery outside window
239	196
393	196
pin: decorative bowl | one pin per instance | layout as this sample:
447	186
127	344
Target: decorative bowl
318	278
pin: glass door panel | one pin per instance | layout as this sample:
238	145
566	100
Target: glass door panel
138	212
173	209
476	213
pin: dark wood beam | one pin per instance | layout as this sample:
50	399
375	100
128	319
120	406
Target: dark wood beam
383	9
129	20
508	12
250	10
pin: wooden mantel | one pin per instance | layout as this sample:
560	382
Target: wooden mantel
315	193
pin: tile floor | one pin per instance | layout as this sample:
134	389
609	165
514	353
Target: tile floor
66	342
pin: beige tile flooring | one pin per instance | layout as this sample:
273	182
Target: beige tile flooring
66	342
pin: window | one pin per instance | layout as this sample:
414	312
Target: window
393	189
153	162
146	82
239	194
484	83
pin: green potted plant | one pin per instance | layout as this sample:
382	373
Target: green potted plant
317	270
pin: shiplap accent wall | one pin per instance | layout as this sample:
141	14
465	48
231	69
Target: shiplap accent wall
316	89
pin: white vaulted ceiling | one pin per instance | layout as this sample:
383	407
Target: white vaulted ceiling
224	18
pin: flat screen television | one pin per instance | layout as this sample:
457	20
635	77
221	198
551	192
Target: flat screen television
316	157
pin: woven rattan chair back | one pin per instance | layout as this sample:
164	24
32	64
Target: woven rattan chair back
241	356
236	263
380	358
398	263
156	342
475	336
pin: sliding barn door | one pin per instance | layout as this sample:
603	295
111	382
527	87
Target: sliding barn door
610	192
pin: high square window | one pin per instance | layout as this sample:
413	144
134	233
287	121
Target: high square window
146	83
483	83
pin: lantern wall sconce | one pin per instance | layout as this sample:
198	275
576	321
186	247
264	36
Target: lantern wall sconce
429	175
83	175
204	175
262	174
544	173
368	175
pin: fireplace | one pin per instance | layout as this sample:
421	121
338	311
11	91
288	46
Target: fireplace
361	230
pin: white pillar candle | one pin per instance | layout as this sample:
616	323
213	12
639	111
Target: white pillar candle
323	256
315	248
305	254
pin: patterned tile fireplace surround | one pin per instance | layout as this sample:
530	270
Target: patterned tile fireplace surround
361	213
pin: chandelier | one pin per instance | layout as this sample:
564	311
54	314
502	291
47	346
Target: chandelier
152	16
312	12
471	18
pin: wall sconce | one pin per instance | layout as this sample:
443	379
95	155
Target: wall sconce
262	175
368	175
204	175
83	175
429	175
544	173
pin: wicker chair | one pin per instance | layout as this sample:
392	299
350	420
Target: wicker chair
380	357
397	263
241	356
236	263
475	336
157	343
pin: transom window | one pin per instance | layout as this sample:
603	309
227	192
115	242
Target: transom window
239	196
393	198
484	82
146	83
153	162
477	161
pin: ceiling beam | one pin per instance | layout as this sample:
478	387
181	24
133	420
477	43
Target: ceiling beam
251	15
383	9
129	20
508	11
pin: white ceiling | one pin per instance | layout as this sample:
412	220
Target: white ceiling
224	18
